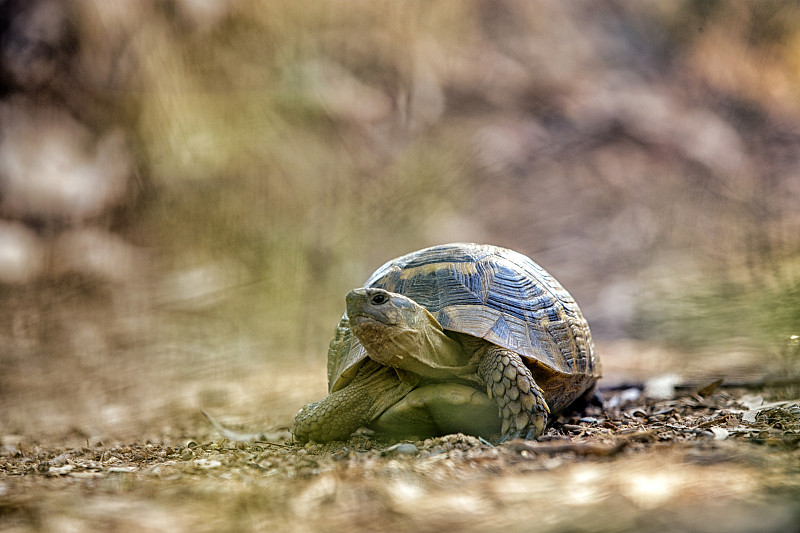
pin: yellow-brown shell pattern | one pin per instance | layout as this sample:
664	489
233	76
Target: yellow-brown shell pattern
491	293
498	295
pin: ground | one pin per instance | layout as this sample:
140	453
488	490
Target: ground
710	457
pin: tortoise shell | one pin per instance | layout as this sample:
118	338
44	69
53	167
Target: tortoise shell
491	293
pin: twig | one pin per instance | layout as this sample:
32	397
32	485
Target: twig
701	386
236	436
581	448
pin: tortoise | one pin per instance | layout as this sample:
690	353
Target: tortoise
458	337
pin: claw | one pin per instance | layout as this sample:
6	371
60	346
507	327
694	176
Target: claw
509	436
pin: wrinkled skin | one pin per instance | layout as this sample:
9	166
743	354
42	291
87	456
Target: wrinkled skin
419	381
374	390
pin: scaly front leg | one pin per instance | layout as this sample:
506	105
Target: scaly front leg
521	402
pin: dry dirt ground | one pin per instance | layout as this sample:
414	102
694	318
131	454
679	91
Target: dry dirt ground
703	457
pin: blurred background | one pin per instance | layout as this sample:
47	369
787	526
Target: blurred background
188	188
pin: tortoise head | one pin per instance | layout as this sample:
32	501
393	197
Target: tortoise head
398	332
384	307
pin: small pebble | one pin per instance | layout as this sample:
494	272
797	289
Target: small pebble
402	448
341	454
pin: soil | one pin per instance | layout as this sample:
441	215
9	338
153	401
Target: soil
705	458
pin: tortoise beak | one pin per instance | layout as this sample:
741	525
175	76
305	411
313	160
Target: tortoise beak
365	304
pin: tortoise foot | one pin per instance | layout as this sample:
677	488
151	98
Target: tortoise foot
522	407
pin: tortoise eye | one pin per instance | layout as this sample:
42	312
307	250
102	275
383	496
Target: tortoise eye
379	299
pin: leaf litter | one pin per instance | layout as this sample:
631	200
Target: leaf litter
709	460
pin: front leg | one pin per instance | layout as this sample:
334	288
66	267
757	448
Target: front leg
523	408
374	389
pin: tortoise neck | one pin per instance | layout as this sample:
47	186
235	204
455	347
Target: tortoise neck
469	343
